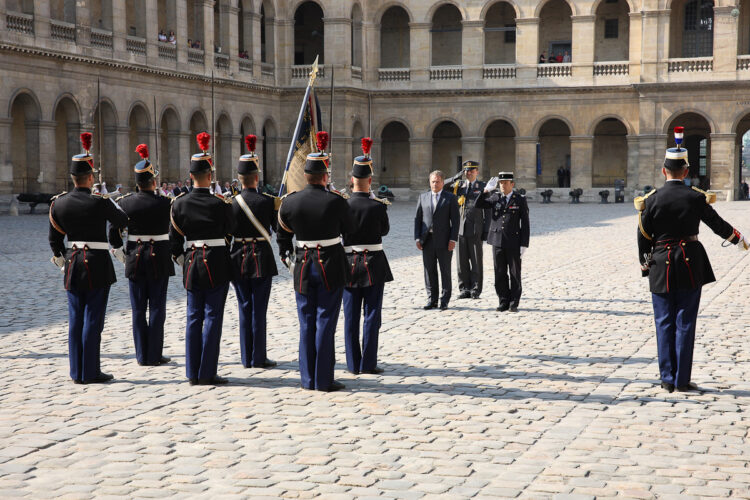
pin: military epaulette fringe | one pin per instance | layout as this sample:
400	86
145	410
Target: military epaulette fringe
58	195
287	195
123	196
382	200
710	197
343	195
228	199
640	201
173	199
276	200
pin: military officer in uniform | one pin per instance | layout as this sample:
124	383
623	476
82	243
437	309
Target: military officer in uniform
206	221
317	218
81	217
369	268
253	261
473	230
676	263
508	235
147	260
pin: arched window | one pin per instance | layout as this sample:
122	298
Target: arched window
500	34
556	32
356	36
394	38
612	38
446	36
698	31
308	34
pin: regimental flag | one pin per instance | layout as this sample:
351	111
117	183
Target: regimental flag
308	124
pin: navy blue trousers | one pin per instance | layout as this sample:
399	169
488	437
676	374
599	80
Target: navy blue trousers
675	315
252	300
371	297
318	313
205	315
148	336
86	311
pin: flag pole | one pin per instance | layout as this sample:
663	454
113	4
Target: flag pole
156	145
101	125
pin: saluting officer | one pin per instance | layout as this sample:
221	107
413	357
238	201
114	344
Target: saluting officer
205	220
475	224
82	217
147	262
317	218
253	261
676	262
368	265
508	235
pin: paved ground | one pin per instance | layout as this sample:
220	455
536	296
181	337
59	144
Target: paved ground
557	401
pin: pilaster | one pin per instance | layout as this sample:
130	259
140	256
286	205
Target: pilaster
525	173
581	154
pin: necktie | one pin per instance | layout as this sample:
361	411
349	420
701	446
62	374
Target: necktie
434	202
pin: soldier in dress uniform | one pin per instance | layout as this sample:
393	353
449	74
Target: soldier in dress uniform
206	221
475	225
368	265
676	262
82	217
317	218
147	260
508	235
253	261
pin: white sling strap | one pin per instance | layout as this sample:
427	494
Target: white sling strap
252	218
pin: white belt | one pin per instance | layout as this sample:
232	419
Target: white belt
259	239
148	237
216	242
364	248
89	245
319	243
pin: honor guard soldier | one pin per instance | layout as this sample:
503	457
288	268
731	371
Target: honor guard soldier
147	260
81	217
368	265
317	218
205	220
475	224
676	262
253	261
508	235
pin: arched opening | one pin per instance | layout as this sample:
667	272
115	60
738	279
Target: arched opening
743	28
272	170
697	141
356	41
247	127
223	161
169	146
499	149
612	38
446	148
446	36
63	10
556	32
743	157
500	34
24	144
308	34
266	33
357	134
691	26
67	142
195	23
221	27
104	145
610	156
394	38
554	152
198	124
135	19
245	29
166	14
140	132
100	14
394	156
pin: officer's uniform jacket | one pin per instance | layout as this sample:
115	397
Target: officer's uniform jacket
252	256
199	216
475	222
148	214
509	227
367	267
315	214
82	217
668	248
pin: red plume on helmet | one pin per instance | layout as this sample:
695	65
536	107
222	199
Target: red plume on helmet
142	150
366	146
322	140
86	141
250	141
203	139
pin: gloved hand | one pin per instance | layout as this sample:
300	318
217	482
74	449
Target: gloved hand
491	184
59	261
523	249
119	254
743	244
180	260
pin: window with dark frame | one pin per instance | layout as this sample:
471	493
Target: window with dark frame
611	28
510	33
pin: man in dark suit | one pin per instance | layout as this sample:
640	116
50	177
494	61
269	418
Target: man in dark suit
436	227
676	263
509	236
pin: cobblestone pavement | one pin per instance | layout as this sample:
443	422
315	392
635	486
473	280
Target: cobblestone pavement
557	401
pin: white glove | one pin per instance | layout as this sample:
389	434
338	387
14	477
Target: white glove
372	195
523	249
58	261
743	244
180	260
491	185
119	254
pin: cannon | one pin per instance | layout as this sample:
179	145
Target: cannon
619	191
34	199
546	195
604	194
575	195
384	192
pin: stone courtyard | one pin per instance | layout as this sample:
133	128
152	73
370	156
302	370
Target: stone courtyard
557	401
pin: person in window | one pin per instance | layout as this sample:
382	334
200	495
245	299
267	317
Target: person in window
551	59
559	57
542	58
172	39
190	43
162	36
566	57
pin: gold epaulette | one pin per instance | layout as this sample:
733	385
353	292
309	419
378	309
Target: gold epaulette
173	199
227	199
461	200
343	195
123	196
58	195
384	201
710	197
276	200
640	201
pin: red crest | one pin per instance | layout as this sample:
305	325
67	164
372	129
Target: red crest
142	150
250	141
366	146
203	139
86	141
322	140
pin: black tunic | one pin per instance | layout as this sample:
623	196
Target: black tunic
315	214
83	216
253	257
371	224
475	221
200	215
509	227
148	214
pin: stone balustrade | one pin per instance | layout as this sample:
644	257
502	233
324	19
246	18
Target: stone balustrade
554	70
394	74
498	71
60	30
446	73
611	68
690	65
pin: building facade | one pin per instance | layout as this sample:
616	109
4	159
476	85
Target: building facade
527	86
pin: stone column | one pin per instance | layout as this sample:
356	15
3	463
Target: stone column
472	48
420	57
527	47
635	45
472	148
582	55
631	179
581	155
284	53
208	34
181	32
232	25
6	167
122	165
41	19
252	23
338	48
152	32
723	165
83	23
119	30
420	153
47	156
662	46
650	159
370	52
725	41
525	173
650	45
72	146
184	139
